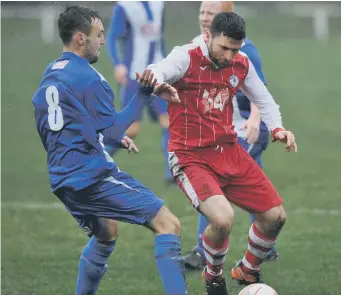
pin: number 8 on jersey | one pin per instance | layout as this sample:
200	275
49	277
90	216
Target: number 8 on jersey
55	117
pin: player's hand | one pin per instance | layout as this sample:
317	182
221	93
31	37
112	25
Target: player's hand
167	92
146	81
129	145
252	130
288	138
120	74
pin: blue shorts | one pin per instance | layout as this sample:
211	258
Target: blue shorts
120	197
156	106
255	150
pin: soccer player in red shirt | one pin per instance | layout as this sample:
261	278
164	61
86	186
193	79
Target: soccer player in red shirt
206	160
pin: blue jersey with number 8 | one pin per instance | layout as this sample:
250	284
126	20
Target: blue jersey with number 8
73	104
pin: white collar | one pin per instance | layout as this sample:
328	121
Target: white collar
204	50
203	46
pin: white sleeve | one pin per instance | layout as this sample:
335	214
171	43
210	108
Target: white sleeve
258	94
172	68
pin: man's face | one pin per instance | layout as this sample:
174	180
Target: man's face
94	41
208	10
222	49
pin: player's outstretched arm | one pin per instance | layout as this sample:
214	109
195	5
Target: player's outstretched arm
258	94
122	120
172	68
163	90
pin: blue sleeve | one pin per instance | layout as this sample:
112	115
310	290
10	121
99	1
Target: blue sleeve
253	55
117	29
98	100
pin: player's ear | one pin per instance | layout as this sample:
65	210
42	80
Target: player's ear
80	38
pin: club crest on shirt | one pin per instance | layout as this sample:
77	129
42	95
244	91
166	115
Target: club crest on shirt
234	81
211	99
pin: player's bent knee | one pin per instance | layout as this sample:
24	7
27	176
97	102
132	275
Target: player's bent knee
223	220
165	222
105	230
282	218
219	211
272	221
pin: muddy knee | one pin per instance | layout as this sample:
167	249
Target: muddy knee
272	221
281	219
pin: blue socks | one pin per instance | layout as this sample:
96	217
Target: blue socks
92	266
170	264
94	258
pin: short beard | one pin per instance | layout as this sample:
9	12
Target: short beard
90	57
215	61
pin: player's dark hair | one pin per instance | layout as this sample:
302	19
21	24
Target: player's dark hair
230	24
75	18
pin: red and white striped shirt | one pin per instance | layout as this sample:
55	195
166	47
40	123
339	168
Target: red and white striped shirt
204	117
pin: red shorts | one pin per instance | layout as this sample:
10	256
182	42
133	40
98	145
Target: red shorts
225	170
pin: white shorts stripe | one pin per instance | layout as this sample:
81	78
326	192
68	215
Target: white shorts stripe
180	174
113	180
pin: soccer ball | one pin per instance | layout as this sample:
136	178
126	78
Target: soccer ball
258	289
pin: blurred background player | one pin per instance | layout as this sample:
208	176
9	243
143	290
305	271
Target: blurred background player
139	27
252	133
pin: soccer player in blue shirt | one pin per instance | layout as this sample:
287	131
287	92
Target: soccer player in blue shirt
252	132
74	111
139	27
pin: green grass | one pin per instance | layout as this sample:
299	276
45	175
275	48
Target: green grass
40	247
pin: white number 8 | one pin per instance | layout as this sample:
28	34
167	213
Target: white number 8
55	117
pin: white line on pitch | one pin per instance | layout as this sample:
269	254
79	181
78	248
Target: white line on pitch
37	206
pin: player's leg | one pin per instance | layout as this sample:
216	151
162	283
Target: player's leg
148	210
255	151
202	188
220	214
103	234
157	109
134	203
94	257
167	251
127	92
253	191
121	197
